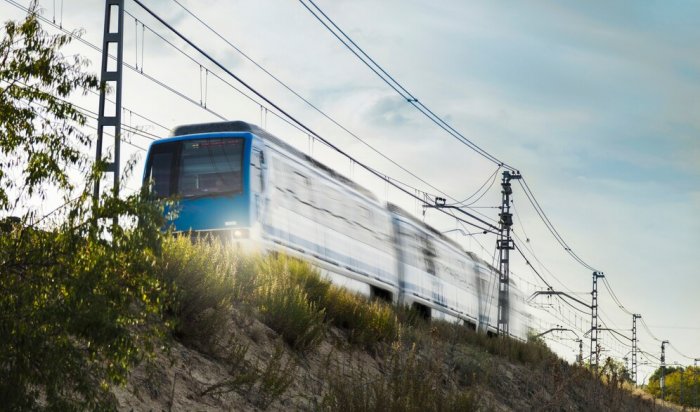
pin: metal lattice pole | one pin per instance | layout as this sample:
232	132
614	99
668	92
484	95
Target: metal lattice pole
662	382
595	353
505	245
634	347
113	40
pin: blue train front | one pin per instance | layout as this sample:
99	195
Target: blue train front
208	171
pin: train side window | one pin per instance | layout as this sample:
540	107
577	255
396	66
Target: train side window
303	188
256	172
428	254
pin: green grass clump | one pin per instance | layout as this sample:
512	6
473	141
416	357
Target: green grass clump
368	323
286	308
293	293
205	277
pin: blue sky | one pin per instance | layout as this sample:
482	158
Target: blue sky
597	103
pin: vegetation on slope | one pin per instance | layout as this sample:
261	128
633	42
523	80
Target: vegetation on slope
369	355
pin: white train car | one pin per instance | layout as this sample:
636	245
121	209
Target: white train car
237	179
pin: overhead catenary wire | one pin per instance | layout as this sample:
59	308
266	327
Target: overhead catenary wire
680	353
491	178
392	181
282	111
646	327
283	116
614	297
540	212
351	45
307	101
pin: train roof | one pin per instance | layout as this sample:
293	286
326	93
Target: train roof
241	126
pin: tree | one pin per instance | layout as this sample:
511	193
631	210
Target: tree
682	385
80	299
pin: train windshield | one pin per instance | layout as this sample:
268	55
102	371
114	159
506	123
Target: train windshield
197	168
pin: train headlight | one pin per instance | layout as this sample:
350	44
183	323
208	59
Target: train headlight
240	233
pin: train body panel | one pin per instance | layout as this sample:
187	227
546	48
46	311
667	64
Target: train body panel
276	198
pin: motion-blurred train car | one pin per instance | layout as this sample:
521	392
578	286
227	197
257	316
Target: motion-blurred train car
238	181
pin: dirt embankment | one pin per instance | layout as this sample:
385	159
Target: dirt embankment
249	367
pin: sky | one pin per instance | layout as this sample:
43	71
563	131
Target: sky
596	103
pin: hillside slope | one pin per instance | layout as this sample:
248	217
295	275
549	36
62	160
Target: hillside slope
268	334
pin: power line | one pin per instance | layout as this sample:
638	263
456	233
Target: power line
649	330
305	100
680	353
491	178
296	124
398	88
280	110
612	294
540	212
392	181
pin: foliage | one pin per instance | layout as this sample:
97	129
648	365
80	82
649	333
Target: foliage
77	294
39	130
615	372
682	385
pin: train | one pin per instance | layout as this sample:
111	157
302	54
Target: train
239	182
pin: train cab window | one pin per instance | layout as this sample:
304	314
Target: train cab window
160	169
211	167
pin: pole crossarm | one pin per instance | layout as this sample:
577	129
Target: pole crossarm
558	293
616	332
555	330
461	210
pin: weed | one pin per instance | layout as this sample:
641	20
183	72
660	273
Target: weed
275	378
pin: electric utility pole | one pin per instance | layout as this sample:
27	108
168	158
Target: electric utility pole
580	351
663	369
695	380
634	347
111	77
594	322
504	244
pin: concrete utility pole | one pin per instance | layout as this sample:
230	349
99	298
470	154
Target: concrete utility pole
111	77
663	369
594	322
634	347
504	244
